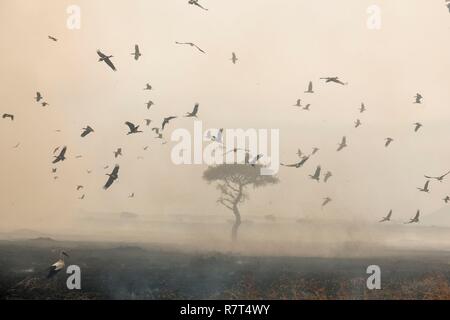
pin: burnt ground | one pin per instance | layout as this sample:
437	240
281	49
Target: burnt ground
133	272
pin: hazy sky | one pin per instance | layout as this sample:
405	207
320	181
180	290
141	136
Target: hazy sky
281	46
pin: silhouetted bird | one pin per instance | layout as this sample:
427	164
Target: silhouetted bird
147	122
86	131
133	128
112	177
362	108
195	2
388	141
148	87
233	58
52	38
158	133
298	103
149	104
418	98
343	144
415	219
307	107
417	126
131	195
79	187
334	79
388	217
54	170
298	164
326	201
82	197
425	187
192	45
193	113
446	199
7	115
327	176
357	123
439	178
38	96
136	52
61	156
310	88
314	151
44	104
166	121
118	152
106	59
316	175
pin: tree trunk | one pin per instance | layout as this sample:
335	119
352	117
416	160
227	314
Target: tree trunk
237	223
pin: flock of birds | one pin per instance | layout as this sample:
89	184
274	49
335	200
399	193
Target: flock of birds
60	152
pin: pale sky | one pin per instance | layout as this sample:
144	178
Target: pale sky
281	46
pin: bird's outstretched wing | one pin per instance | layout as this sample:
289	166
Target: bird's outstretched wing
110	64
130	125
103	56
115	170
109	182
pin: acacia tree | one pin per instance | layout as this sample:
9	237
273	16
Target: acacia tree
232	181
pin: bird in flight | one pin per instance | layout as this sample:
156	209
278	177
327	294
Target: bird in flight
158	134
166	121
147	122
388	141
82	197
327	176
131	195
334	79
112	177
417	126
446	199
362	108
388	217
298	103
44	104
425	187
52	38
192	45
316	175
326	201
57	266
307	107
79	187
193	113
234	58
61	156
118	152
106	59
415	219
314	151
310	88
418	98
148	86
357	123
440	178
149	104
343	144
7	115
38	96
133	128
195	2
298	164
86	131
136	52
54	170
17	145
